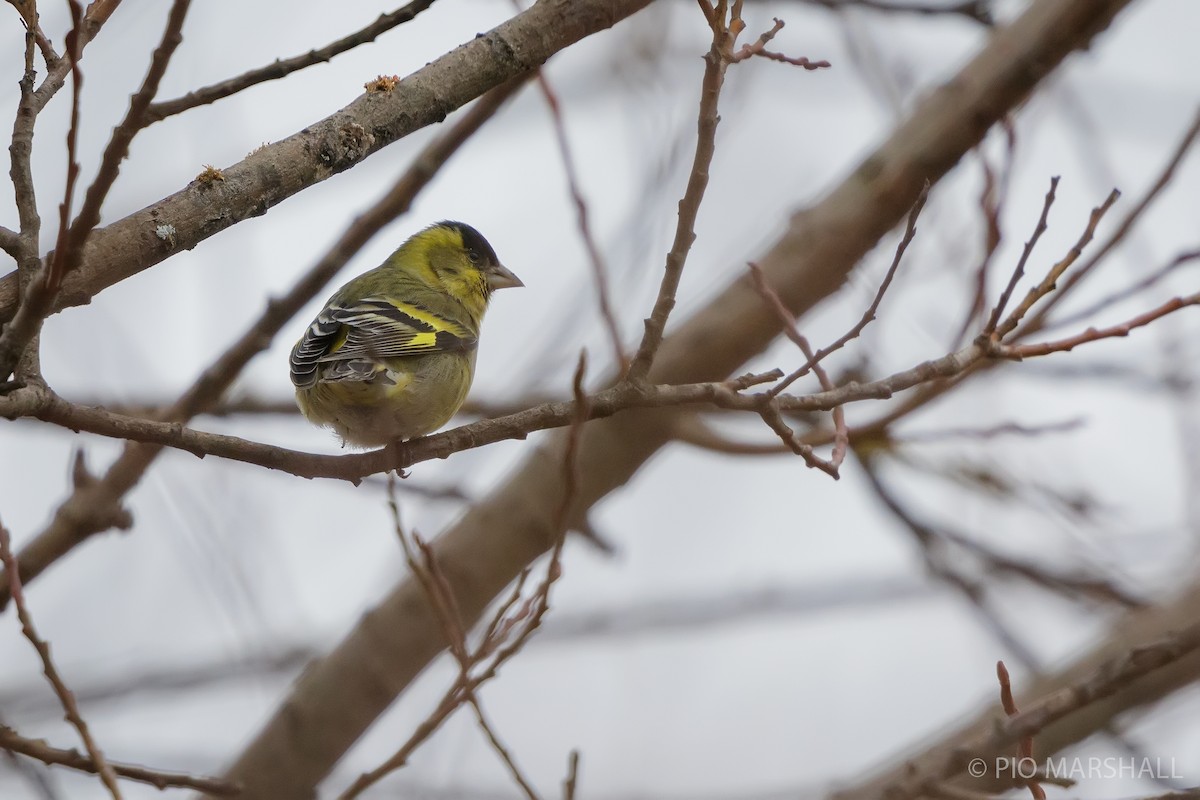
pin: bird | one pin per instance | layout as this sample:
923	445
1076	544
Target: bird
391	356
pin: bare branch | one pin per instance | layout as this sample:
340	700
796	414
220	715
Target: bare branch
716	62
42	403
1019	270
976	10
281	68
910	231
38	749
70	708
1039	319
770	412
1049	283
1111	677
572	779
1186	257
499	642
1025	746
758	48
599	268
1019	351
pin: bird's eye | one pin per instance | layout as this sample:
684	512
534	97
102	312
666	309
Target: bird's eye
473	256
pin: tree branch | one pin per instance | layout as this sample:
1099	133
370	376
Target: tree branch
38	749
281	68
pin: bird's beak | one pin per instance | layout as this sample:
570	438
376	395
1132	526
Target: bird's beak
499	277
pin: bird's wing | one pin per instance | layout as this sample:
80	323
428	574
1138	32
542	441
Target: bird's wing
355	337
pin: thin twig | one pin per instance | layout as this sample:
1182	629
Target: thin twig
992	200
716	62
770	415
1037	320
38	749
65	697
1186	257
1050	282
73	54
1019	271
910	231
281	68
1025	746
498	746
1018	351
758	48
67	256
572	780
990	432
974	10
595	257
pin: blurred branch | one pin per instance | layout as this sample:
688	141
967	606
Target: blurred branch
1025	744
569	784
599	268
934	552
1186	257
1093	689
146	679
976	10
991	432
65	698
992	199
282	67
1040	319
38	749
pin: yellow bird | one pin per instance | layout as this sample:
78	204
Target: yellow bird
392	354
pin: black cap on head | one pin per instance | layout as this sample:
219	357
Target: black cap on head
474	242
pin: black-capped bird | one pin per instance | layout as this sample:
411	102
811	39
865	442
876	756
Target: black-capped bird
392	354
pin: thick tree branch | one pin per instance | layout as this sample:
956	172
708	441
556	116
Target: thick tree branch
1148	655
